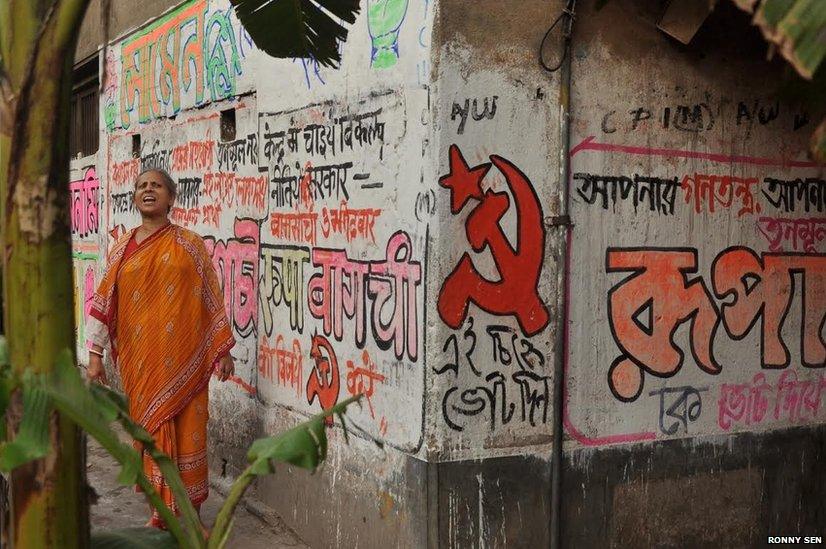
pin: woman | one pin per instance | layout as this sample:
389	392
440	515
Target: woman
161	309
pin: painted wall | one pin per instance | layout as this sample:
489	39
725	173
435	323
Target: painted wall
86	198
313	214
491	362
700	224
391	228
695	364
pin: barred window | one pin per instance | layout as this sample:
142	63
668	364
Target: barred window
83	122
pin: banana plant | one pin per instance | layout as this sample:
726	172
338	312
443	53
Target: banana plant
95	408
797	29
38	39
37	45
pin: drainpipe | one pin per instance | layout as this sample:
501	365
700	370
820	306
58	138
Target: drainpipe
563	222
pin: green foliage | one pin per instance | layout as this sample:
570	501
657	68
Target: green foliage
4	352
798	28
32	439
305	446
95	407
298	28
6	384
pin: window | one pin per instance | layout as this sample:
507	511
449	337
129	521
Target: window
83	122
228	125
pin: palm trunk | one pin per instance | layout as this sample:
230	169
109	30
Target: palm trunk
37	43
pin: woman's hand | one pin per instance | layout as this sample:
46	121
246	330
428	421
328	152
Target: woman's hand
96	371
225	367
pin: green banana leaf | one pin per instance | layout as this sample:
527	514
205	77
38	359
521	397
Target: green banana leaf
32	439
94	408
305	446
4	352
6	385
798	28
298	28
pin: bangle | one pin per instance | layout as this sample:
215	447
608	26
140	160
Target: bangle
99	353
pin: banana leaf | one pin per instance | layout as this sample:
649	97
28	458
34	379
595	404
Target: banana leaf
797	28
94	409
298	28
32	439
6	385
305	446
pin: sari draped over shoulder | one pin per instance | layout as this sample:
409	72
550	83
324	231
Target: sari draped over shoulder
163	308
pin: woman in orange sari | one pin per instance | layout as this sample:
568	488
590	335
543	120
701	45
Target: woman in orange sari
160	309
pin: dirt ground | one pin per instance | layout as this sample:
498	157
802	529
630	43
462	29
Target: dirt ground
120	507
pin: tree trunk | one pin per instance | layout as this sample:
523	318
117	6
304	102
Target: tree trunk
49	505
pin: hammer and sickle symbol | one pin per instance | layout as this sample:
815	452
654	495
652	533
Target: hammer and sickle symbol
515	293
324	378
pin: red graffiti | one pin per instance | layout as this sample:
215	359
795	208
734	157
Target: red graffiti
646	308
236	261
252	192
226	190
282	364
305	194
360	379
303	226
797	400
346	287
220	186
297	226
515	293
353	223
710	190
763	287
211	215
195	155
186	217
153	76
324	380
125	173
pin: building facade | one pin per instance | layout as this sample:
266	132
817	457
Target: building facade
418	226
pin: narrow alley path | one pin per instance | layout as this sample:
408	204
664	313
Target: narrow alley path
120	507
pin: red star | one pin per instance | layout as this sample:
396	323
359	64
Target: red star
463	181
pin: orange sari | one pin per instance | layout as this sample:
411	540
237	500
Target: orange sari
164	310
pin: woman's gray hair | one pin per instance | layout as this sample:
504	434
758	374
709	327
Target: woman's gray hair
171	186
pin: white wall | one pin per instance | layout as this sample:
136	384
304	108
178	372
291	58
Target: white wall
672	177
313	214
458	361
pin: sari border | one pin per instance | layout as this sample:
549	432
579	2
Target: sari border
214	302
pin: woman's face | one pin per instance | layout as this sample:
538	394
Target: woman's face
152	197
